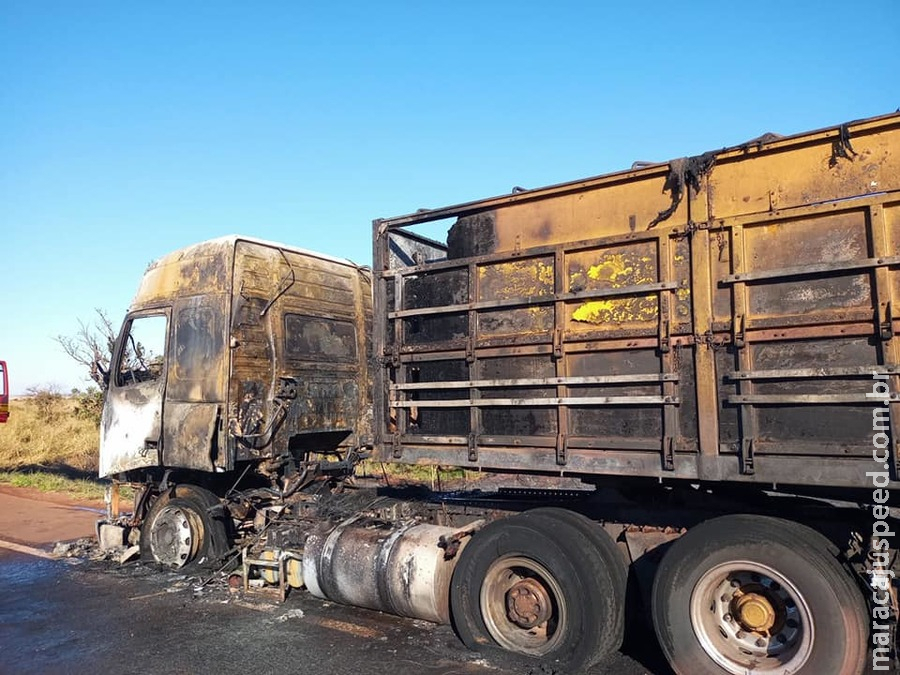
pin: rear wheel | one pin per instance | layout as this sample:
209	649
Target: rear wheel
180	529
753	595
538	585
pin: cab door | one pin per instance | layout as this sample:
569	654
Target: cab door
131	427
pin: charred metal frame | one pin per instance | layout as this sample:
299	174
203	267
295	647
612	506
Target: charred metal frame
712	218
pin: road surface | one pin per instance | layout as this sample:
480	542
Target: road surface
31	517
80	616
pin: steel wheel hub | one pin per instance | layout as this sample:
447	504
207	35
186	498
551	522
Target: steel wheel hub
754	611
528	603
174	536
748	617
523	606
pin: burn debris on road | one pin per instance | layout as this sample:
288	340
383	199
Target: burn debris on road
86	548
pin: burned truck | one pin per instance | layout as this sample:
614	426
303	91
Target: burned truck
236	354
683	379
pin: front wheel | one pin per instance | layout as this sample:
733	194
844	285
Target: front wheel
753	595
180	529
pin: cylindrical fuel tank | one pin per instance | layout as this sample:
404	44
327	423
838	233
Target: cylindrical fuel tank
400	570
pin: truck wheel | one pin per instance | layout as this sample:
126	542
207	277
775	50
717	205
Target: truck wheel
539	586
597	540
180	531
754	595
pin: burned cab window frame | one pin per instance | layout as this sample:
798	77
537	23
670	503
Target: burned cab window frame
132	370
301	342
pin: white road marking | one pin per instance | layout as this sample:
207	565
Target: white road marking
27	550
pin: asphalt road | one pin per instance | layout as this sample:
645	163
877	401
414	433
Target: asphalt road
73	616
80	616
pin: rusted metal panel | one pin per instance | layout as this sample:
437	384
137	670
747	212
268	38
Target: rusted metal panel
621	207
190	439
198	352
299	325
195	270
807	169
759	285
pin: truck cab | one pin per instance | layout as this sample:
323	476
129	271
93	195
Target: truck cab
237	350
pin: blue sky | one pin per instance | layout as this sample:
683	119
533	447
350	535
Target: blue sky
131	129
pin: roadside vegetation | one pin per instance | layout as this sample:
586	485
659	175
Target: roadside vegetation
51	442
437	477
76	488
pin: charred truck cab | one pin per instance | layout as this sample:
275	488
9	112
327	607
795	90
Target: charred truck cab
236	354
683	378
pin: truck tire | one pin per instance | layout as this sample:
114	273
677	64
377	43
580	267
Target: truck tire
539	585
612	558
755	595
180	530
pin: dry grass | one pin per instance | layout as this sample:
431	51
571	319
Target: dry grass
45	445
437	477
49	436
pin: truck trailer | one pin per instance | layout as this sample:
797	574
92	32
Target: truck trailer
693	365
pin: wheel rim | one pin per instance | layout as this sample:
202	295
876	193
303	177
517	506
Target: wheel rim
523	606
749	618
175	536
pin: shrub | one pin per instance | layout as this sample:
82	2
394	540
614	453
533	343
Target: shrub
88	404
47	402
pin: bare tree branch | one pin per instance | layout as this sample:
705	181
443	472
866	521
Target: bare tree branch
92	346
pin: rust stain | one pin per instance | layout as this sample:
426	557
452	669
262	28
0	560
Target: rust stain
347	627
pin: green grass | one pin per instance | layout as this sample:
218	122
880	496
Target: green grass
76	488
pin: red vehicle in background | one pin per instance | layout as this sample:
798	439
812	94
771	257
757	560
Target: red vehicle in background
4	393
